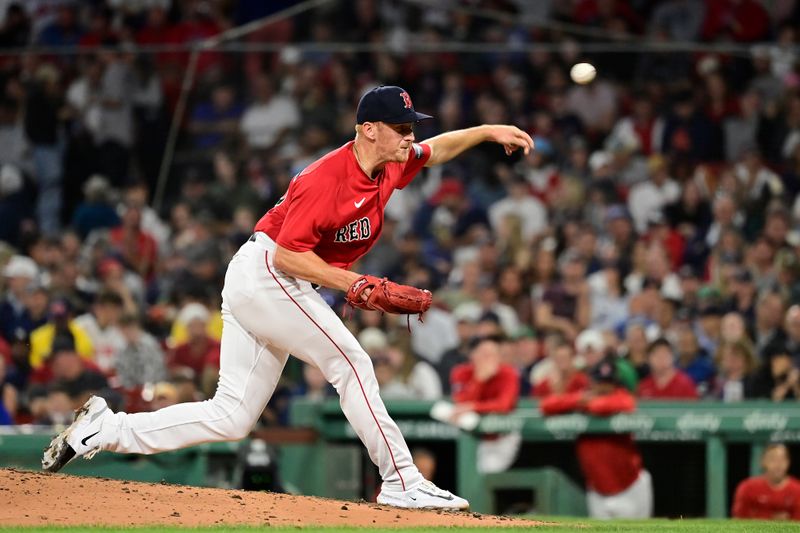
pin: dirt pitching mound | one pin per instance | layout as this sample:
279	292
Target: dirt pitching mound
36	499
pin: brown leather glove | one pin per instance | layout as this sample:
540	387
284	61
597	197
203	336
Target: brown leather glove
388	296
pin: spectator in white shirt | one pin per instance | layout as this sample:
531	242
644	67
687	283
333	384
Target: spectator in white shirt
268	120
653	194
101	324
522	205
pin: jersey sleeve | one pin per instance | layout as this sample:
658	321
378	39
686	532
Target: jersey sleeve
740	508
418	156
620	401
557	404
302	227
795	510
506	399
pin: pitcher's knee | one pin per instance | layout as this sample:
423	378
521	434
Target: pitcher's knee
359	373
232	421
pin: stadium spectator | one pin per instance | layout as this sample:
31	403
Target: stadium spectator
64	31
743	295
775	495
694	360
20	272
591	348
8	398
15	208
137	195
101	323
69	371
314	386
488	304
15	31
52	406
733	329
60	330
512	292
791	325
466	328
768	335
665	381
652	195
216	120
425	461
137	248
400	375
198	357
521	205
609	303
688	132
564	376
634	349
45	113
270	118
564	306
97	211
115	130
736	363
617	484
777	379
708	324
745	20
140	361
487	385
100	28
18	364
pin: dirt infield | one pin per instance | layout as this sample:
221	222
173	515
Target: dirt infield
35	498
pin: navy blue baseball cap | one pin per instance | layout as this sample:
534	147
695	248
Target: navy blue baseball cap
605	371
389	104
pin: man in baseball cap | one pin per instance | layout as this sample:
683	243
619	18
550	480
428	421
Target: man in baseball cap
617	485
331	215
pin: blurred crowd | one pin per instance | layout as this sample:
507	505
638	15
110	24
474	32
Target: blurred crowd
657	220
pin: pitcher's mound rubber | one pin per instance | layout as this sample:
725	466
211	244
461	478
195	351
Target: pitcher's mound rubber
36	499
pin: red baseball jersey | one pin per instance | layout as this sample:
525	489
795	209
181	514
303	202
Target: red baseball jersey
577	382
755	498
498	394
334	209
610	463
680	387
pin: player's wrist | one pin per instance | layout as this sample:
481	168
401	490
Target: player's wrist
487	132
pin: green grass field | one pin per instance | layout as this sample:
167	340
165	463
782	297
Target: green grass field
561	525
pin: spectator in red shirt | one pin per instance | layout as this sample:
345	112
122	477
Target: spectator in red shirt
138	248
563	377
487	385
198	357
100	29
665	380
740	20
617	484
772	496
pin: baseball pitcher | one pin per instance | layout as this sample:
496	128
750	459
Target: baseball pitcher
331	215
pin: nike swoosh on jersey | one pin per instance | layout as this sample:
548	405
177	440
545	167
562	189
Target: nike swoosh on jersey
359	204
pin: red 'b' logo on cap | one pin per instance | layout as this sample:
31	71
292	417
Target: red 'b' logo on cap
406	100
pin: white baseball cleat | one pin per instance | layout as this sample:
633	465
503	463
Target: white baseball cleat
76	440
426	495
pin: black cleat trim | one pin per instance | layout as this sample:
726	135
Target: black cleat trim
66	455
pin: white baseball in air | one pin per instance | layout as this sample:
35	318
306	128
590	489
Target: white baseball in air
582	73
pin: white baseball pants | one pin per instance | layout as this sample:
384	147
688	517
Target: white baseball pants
268	315
634	502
